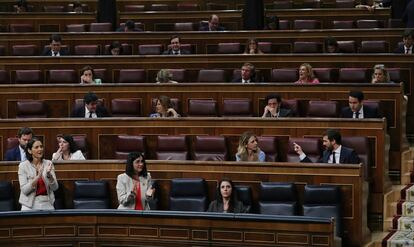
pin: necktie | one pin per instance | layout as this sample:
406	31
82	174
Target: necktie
55	54
333	158
407	50
357	114
90	114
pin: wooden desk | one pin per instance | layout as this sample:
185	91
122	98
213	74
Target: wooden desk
348	177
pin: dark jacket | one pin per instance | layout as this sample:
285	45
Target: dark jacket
252	79
206	28
79	112
170	52
48	52
216	206
283	112
408	16
13	154
347	156
368	112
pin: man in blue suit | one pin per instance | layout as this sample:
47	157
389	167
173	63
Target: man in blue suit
24	135
357	109
334	152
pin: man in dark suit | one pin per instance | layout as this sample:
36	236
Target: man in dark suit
213	24
408	16
91	108
129	27
175	47
18	153
334	152
247	74
357	109
408	43
55	48
273	108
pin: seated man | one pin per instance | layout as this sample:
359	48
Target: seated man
334	152
129	27
213	24
91	108
247	74
55	48
273	108
18	153
408	43
175	48
356	108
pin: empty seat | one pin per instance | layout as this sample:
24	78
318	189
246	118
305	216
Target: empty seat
210	148
54	8
343	24
347	46
310	146
361	146
211	75
369	24
6	196
311	4
326	74
132	76
283	4
244	194
184	26
125	144
4	77
31	109
91	195
284	24
101	74
216	6
134	7
178	74
150	49
24	50
202	108
171	148
293	105
268	144
100	27
63	76
266	47
159	7
374	46
188	7
2	50
395	23
307	47
126	107
353	75
188	194
229	48
284	75
82	144
29	76
278	198
344	3
321	108
306	24
395	75
87	50
21	28
237	108
76	28
324	201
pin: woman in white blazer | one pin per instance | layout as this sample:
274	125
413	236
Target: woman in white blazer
37	179
67	150
134	187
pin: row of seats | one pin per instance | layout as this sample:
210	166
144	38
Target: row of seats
282	75
217	148
192	195
345	46
240	107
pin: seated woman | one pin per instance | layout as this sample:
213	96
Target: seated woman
77	7
88	76
226	199
115	48
37	179
67	150
252	47
164	76
248	149
380	74
306	75
134	187
164	108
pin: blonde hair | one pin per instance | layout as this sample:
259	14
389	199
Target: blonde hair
308	67
384	71
164	76
242	150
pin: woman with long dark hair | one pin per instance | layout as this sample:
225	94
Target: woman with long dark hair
226	199
67	150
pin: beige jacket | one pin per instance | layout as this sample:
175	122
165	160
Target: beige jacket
27	173
126	198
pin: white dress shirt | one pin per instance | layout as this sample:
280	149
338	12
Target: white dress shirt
337	155
361	113
22	154
87	113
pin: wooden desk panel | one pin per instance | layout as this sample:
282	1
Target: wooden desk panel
348	177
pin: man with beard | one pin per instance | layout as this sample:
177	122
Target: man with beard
18	153
334	152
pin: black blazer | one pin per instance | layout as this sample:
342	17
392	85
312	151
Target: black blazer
252	79
79	112
170	52
13	154
368	112
283	112
48	52
347	156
